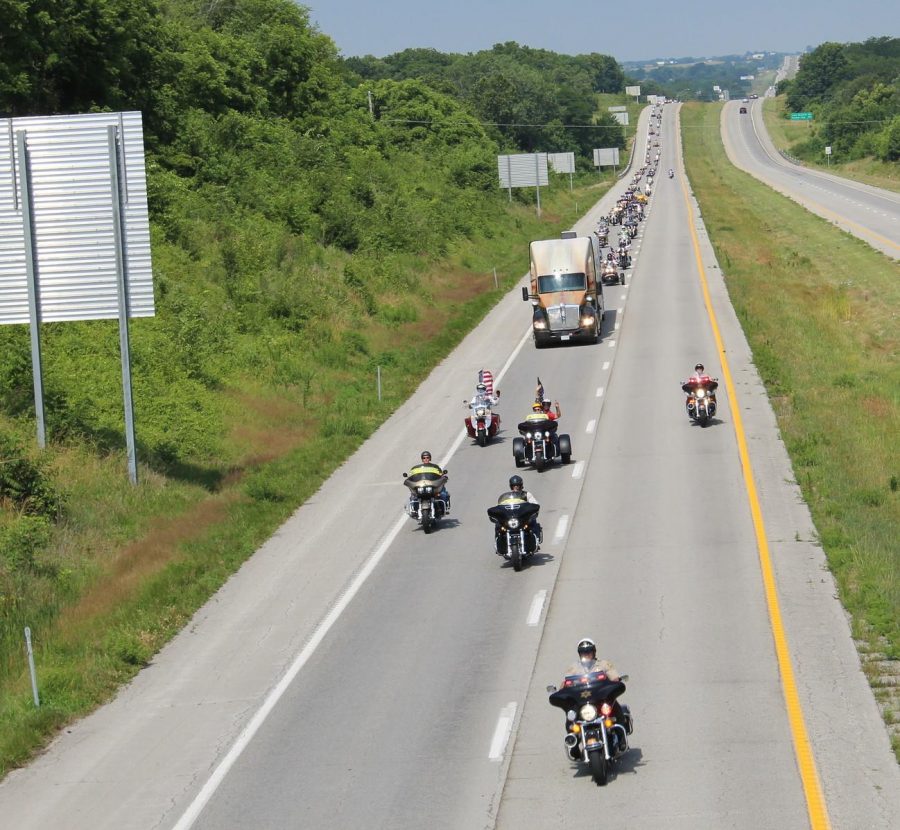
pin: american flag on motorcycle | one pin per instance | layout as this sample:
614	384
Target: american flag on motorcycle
486	377
539	392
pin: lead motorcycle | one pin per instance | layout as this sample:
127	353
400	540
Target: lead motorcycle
481	423
425	503
536	444
701	400
597	726
518	534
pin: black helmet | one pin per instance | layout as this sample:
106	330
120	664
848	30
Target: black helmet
699	367
587	646
516	481
426	454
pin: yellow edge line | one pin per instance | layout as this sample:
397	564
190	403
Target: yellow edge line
815	802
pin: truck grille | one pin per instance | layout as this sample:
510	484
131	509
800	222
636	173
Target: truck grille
563	317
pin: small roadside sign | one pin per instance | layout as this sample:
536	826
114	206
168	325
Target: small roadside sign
801	116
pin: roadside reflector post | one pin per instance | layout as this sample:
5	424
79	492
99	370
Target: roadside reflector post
34	686
378	381
496	282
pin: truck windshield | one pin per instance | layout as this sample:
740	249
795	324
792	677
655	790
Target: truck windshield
560	282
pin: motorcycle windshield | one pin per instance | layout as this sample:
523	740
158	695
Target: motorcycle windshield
515	508
596	691
427	479
538	426
692	386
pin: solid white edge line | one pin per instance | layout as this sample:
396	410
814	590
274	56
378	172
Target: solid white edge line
502	731
591	426
561	527
537	606
192	813
578	469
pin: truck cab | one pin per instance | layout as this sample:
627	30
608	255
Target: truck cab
566	292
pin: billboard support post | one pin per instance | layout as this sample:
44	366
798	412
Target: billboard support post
122	286
34	310
537	187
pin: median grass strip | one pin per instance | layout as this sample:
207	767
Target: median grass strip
820	310
789	136
122	569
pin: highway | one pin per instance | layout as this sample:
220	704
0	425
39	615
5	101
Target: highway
356	673
870	213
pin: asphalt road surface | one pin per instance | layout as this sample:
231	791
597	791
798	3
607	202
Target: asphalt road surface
871	213
356	673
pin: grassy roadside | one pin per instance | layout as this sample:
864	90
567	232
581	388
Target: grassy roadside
819	309
787	134
127	567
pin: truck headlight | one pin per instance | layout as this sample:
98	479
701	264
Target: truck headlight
540	324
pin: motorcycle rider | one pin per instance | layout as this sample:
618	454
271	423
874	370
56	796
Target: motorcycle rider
698	379
671	172
483	398
517	487
587	663
428	467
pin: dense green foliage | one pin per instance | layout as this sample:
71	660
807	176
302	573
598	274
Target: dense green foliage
529	99
853	91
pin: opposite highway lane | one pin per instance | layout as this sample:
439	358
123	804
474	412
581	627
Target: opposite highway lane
868	212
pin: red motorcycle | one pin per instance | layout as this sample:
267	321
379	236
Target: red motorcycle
481	423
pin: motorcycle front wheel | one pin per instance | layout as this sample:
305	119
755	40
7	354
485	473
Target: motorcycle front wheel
599	768
482	438
516	556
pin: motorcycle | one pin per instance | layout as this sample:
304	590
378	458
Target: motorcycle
536	444
701	400
516	520
481	423
597	727
624	262
671	174
425	503
610	274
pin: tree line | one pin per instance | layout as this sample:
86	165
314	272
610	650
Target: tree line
853	91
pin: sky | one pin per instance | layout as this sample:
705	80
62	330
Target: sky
640	30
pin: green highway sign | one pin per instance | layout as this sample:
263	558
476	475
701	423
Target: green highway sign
801	116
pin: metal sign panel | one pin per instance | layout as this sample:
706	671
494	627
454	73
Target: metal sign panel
562	162
68	166
801	116
633	90
617	109
621	117
523	170
606	157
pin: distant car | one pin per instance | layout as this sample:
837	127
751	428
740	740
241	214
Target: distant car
743	110
745	100
754	96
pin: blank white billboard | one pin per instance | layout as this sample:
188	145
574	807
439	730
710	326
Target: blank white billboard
633	90
562	162
606	157
72	214
523	170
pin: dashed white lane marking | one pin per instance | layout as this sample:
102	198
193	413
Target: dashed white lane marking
611	343
599	395
578	469
502	731
605	365
616	326
537	605
561	527
591	426
622	297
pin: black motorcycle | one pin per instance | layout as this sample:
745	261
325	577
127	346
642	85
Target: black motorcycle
517	531
538	444
597	727
425	503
